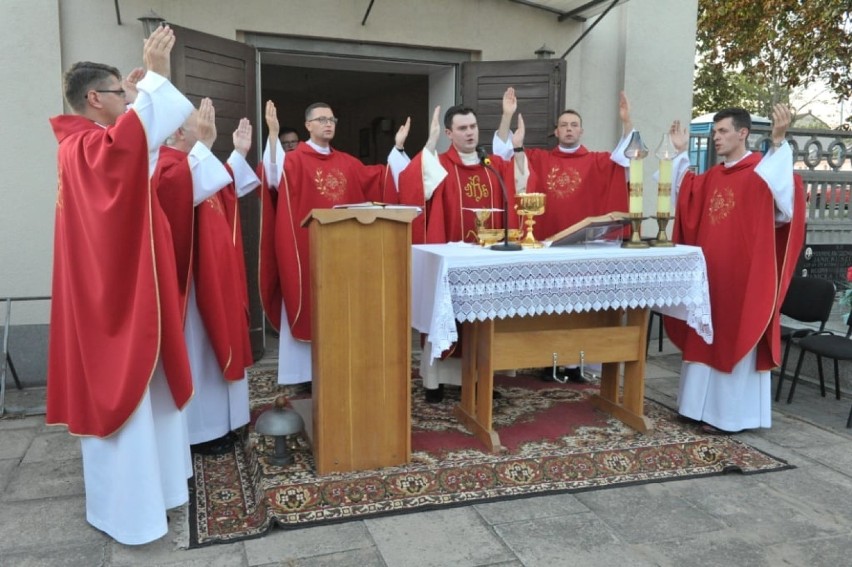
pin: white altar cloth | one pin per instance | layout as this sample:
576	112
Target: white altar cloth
465	282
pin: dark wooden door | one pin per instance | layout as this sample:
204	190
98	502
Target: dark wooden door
205	65
539	85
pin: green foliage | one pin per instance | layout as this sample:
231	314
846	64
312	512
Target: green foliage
752	53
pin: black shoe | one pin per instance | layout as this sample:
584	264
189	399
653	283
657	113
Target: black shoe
496	395
574	375
436	395
219	446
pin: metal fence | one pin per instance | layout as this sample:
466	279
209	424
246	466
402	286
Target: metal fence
824	160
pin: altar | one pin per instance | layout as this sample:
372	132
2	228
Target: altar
554	306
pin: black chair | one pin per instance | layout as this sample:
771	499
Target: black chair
808	300
826	344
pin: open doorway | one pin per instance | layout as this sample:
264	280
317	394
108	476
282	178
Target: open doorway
371	97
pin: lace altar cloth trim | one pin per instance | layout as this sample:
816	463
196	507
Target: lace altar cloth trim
675	285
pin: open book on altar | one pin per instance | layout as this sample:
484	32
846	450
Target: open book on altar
376	205
601	228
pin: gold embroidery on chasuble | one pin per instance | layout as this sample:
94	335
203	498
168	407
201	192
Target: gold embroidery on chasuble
476	190
331	184
722	202
215	204
562	183
59	203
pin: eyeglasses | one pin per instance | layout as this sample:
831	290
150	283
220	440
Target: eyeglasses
119	92
324	120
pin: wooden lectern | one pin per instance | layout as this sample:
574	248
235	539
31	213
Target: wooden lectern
361	348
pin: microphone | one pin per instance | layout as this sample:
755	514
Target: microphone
506	246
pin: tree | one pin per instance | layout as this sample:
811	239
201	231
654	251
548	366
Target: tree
752	53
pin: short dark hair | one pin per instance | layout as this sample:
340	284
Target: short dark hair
453	111
740	117
287	130
82	77
569	111
314	106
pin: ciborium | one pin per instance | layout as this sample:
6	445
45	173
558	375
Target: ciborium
530	205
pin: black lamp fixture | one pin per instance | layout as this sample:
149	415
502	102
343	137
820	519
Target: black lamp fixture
150	21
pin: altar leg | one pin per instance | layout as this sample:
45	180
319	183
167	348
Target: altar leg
475	409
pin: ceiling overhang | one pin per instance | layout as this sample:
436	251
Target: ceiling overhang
576	10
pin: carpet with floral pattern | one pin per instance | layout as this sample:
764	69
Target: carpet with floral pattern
556	442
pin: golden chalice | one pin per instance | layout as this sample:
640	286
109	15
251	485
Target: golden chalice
530	205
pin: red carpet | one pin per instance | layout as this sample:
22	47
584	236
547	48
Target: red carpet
556	442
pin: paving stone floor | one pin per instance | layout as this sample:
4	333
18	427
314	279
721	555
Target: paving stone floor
797	517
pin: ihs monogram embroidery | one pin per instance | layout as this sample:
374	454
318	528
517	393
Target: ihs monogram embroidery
722	202
330	184
562	183
215	204
476	190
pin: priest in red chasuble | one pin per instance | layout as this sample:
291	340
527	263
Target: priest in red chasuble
118	373
313	176
211	269
747	215
578	183
449	187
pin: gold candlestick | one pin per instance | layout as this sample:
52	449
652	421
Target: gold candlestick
635	240
662	240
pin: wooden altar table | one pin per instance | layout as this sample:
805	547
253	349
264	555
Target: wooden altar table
554	306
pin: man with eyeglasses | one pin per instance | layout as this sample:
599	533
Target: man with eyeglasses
199	195
118	374
312	176
289	138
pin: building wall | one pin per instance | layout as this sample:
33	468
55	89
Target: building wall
631	49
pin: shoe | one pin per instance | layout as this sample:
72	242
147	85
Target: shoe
219	446
496	395
574	375
687	420
435	395
708	429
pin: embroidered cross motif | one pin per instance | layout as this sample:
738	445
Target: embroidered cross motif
331	184
561	183
722	202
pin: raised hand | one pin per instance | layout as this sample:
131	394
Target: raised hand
129	84
158	49
510	102
679	136
434	130
402	134
272	120
624	114
242	137
781	118
520	131
206	124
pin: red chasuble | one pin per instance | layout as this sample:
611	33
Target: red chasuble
311	180
465	187
115	308
172	180
205	240
730	214
220	280
579	184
